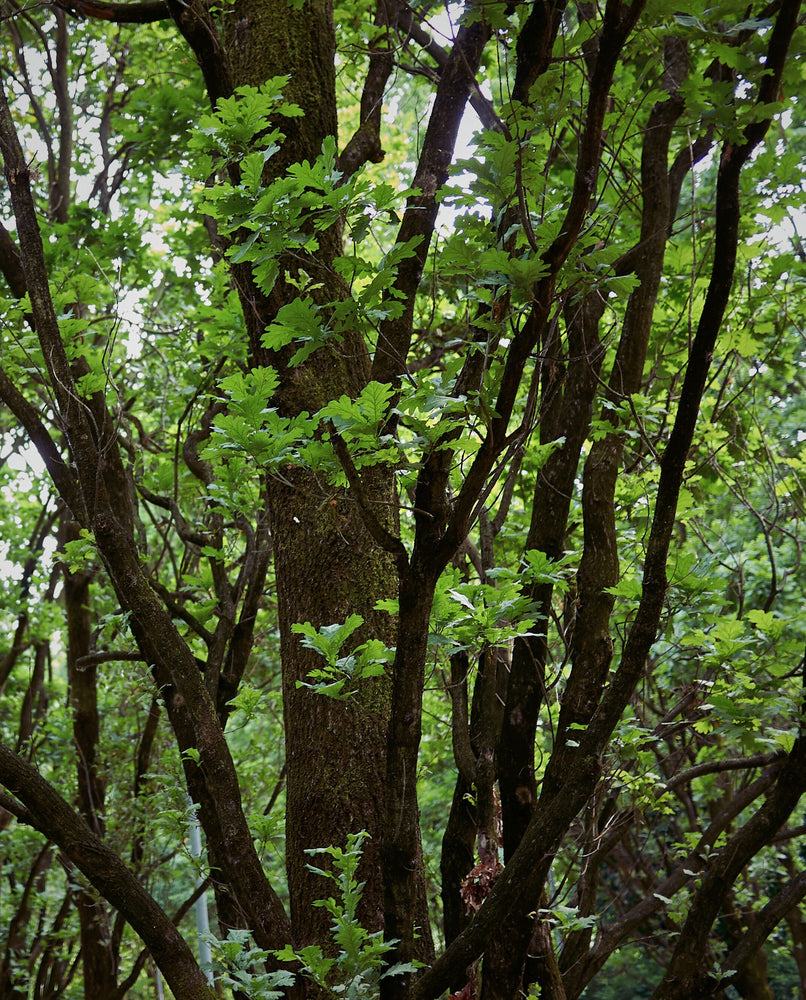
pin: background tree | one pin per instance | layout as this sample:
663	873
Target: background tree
479	480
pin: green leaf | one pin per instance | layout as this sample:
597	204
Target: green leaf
374	400
689	21
297	320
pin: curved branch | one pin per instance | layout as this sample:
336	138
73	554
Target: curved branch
762	925
612	935
387	541
687	969
60	472
71	409
456	83
145	12
716	766
46	811
481	105
114	656
169	504
365	145
200	32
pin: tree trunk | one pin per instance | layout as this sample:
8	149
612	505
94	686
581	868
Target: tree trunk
97	957
797	928
327	565
327	568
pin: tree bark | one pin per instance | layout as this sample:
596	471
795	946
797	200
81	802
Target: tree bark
98	959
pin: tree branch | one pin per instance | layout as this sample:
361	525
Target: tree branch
387	541
686	974
144	12
763	923
441	56
611	935
46	811
456	82
114	656
201	33
614	35
717	766
365	145
60	472
642	634
71	409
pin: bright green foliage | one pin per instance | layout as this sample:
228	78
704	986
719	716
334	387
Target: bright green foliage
235	964
356	971
341	675
151	319
473	616
252	429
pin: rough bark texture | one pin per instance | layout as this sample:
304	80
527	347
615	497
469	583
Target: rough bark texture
327	565
328	568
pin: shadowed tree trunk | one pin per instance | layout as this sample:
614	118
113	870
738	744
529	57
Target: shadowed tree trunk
97	955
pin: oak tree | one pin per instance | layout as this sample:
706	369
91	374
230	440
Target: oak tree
402	434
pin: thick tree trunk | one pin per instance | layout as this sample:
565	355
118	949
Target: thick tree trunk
327	568
327	565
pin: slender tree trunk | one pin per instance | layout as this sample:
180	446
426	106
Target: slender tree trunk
97	957
797	928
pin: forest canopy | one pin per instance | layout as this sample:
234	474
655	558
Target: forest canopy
402	460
